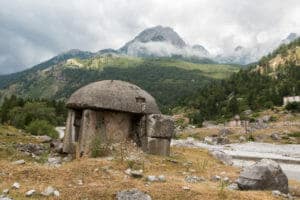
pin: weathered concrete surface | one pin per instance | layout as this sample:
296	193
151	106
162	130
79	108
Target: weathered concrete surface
159	146
117	126
68	146
160	126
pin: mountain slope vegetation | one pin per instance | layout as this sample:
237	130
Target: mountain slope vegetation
167	79
259	87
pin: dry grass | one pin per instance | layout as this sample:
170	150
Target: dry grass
102	178
283	125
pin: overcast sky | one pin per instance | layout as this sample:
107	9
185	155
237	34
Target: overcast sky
32	31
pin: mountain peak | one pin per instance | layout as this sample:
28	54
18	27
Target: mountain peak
154	34
290	38
238	48
201	49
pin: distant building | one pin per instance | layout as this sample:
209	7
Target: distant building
290	99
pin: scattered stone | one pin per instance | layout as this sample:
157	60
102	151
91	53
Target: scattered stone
276	193
30	193
266	118
44	138
80	182
222	140
224	158
54	161
209	124
16	185
68	158
213	140
30	148
132	194
275	136
242	139
18	162
233	186
186	188
56	193
224	132
151	178
5	191
127	171
210	140
226	180
56	146
263	175
136	173
48	191
216	178
162	178
194	179
5	198
109	158
172	160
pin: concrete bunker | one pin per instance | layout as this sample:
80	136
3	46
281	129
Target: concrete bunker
114	111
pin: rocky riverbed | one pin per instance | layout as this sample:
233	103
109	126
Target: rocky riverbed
245	154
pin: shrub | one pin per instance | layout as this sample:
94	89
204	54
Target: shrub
41	127
296	134
98	148
294	106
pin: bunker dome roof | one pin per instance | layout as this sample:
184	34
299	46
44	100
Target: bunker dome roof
113	95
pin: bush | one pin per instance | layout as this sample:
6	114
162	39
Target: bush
99	149
296	134
294	106
41	127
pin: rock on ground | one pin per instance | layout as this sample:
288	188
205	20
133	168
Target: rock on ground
16	185
194	179
132	194
48	191
44	138
223	157
5	198
18	162
263	175
30	193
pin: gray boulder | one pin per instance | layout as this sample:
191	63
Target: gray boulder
224	132
194	179
44	138
132	194
5	198
160	126
56	146
31	148
18	162
275	136
223	157
263	175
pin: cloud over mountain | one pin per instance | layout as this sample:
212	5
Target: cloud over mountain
32	31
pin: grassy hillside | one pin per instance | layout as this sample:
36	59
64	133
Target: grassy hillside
260	87
168	80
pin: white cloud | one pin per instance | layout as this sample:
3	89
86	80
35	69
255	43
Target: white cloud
32	30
